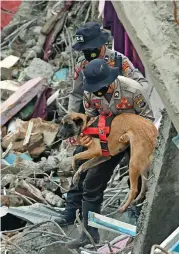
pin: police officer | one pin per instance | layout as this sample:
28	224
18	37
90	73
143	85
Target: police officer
105	92
91	41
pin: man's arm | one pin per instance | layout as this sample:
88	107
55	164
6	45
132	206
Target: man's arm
87	105
130	71
142	105
76	96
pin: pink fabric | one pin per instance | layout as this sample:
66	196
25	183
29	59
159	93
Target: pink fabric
121	244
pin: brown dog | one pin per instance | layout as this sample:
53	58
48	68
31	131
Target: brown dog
126	129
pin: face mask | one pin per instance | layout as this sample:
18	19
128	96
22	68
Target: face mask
91	54
101	92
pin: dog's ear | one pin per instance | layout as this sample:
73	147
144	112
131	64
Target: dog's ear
78	121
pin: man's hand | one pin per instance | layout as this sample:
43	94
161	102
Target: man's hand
71	141
85	140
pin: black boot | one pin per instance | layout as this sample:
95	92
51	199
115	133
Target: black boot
83	239
67	217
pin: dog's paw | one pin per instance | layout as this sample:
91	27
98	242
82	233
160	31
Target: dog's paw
123	209
76	178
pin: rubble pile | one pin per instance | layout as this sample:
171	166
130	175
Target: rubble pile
37	65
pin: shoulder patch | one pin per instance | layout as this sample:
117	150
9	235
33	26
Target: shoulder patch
140	101
126	68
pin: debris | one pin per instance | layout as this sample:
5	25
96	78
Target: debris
42	237
4	211
12	157
42	132
3	131
8	87
53	199
35	213
9	62
100	221
38	68
119	242
60	75
52	98
7	65
170	244
31	191
11	200
28	133
7	150
7	179
34	148
37	168
20	98
175	140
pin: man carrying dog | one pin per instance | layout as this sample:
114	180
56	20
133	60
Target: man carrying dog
91	40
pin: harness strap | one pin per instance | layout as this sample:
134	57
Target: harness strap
102	131
94	130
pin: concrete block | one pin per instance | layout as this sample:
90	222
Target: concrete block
160	214
39	68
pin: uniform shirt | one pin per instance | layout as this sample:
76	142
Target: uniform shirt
128	97
128	70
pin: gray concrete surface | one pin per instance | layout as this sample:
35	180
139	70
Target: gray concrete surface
160	215
154	33
155	100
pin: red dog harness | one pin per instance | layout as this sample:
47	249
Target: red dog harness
101	130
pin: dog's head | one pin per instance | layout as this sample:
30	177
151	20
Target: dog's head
72	124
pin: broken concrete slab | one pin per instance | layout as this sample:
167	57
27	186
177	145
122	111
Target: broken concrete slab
20	98
154	33
34	242
39	68
159	215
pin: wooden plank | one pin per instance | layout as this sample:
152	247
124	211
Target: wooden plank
103	222
20	98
